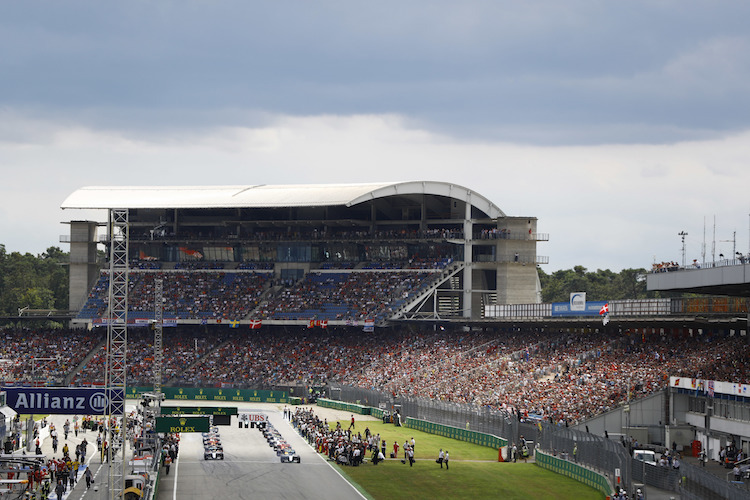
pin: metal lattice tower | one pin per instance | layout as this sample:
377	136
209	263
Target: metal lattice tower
117	340
158	330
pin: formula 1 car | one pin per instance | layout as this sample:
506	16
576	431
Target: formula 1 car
288	456
213	453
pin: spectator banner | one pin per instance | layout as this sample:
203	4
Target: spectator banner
214	394
566	308
59	401
132	320
182	424
709	387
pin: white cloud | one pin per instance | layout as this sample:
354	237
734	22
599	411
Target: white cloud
606	206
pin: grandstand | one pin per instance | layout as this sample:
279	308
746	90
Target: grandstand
450	282
342	254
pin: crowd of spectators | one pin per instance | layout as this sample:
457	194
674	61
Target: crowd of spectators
553	375
494	234
663	267
181	348
343	446
354	296
186	294
42	356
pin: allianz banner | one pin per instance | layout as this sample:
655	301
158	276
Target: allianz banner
60	401
214	394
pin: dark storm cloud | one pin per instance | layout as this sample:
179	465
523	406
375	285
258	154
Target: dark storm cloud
537	72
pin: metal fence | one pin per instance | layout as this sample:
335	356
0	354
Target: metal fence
464	416
665	478
695	484
595	452
591	450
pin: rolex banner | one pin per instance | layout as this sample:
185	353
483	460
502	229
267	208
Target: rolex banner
214	394
182	424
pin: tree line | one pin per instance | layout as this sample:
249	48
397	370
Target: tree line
601	284
34	281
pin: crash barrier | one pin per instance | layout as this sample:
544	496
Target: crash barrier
340	405
294	400
378	413
574	471
213	394
448	431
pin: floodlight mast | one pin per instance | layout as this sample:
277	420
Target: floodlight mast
683	234
117	339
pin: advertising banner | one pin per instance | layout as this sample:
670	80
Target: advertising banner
59	401
577	309
214	394
198	410
182	424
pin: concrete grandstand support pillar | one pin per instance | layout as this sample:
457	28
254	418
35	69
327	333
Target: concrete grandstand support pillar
468	237
84	268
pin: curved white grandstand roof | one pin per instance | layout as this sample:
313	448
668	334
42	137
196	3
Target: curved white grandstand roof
265	196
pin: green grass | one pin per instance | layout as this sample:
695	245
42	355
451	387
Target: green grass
427	446
474	472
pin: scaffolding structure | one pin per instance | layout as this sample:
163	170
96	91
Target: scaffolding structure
117	340
158	331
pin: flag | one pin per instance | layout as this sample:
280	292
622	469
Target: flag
234	324
255	324
604	313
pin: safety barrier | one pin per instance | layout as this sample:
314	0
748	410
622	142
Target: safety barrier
341	405
574	471
377	412
448	431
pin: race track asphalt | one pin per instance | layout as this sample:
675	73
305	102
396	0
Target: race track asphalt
251	469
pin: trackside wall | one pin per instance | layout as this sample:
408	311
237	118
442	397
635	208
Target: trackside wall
574	471
341	405
448	431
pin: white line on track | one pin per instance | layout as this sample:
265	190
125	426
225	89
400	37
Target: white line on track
176	472
326	462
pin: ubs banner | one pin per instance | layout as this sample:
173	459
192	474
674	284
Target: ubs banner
213	394
59	401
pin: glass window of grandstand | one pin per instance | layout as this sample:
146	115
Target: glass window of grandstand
294	252
484	253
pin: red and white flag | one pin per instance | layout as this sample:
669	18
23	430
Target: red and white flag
255	324
604	313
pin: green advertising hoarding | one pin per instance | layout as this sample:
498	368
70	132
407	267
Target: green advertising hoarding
182	424
213	394
198	410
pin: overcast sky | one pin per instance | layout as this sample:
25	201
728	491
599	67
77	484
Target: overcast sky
616	124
